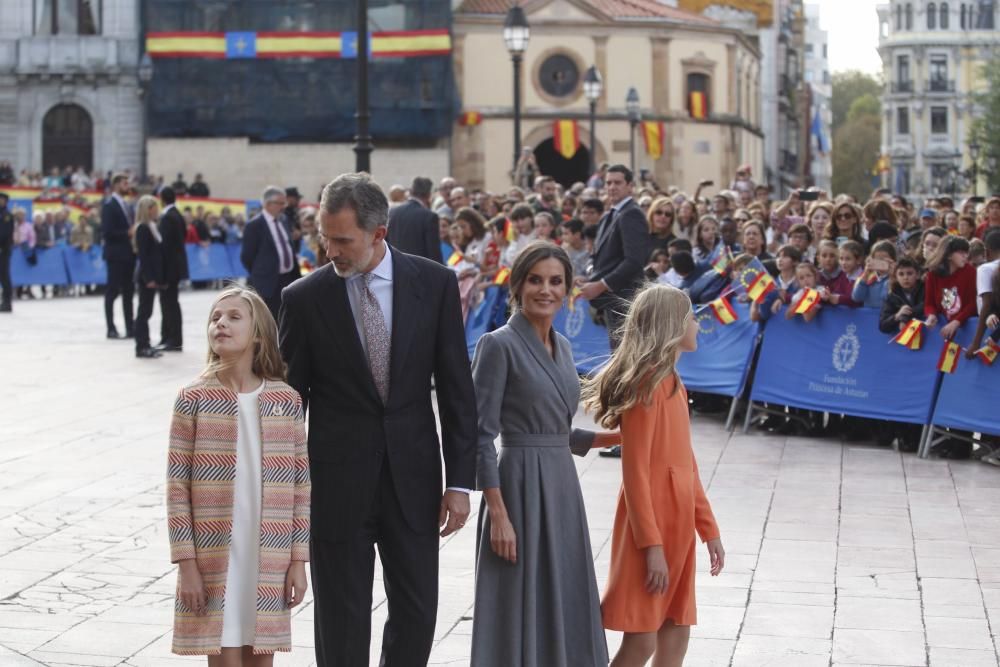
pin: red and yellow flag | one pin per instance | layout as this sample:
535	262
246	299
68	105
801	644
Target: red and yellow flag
573	296
808	301
721	263
988	353
723	310
654	135
455	258
912	336
698	105
761	286
470	119
509	232
502	277
948	361
566	137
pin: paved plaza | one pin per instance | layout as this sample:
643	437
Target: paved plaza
839	554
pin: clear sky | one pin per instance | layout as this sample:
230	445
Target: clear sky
853	33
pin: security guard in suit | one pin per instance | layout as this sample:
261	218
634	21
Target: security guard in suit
6	247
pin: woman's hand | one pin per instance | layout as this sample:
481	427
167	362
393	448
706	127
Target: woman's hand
948	330
716	555
295	583
657	574
192	588
503	540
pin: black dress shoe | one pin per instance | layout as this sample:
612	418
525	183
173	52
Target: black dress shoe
147	353
129	334
614	452
113	334
5	308
169	348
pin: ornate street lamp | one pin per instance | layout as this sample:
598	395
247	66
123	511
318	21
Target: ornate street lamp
516	34
145	73
593	86
632	107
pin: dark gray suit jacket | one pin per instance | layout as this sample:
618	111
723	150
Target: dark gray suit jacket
414	230
620	253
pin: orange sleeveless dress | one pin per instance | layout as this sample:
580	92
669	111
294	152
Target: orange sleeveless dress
661	502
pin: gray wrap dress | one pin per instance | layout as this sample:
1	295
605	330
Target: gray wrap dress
543	611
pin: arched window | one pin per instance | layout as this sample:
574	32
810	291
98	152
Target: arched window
909	16
931	16
943	18
899	16
698	99
67	137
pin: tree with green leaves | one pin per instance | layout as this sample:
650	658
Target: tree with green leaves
857	132
986	126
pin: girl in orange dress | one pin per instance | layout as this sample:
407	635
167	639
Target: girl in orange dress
662	504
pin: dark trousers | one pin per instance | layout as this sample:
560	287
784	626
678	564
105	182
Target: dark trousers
274	301
342	576
5	285
120	281
614	317
170	312
146	297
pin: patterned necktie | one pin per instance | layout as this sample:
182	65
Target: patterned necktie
377	338
286	259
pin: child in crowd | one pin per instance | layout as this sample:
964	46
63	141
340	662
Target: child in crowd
659	262
977	252
835	287
662	507
807	278
967	227
788	258
672	277
239	537
573	244
904	299
706	234
851	255
872	286
987	276
950	287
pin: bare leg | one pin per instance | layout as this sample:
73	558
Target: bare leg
231	657
671	645
636	649
251	660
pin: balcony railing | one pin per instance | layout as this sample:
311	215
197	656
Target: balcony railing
901	87
940	86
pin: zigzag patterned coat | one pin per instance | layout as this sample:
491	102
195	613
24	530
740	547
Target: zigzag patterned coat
201	471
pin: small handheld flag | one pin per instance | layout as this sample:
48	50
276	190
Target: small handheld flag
807	302
573	296
871	278
508	231
455	258
761	286
988	353
722	262
912	336
948	361
723	310
502	276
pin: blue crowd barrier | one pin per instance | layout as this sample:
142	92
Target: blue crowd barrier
50	269
480	319
967	399
86	268
588	340
236	269
722	362
208	262
841	363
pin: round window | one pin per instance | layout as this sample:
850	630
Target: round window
559	75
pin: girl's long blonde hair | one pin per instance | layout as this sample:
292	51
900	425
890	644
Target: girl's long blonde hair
650	337
267	361
144	216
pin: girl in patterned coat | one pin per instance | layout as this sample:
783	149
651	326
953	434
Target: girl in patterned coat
238	493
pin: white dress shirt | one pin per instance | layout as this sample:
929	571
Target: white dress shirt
279	237
382	289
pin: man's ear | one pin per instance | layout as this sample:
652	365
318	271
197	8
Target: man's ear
380	233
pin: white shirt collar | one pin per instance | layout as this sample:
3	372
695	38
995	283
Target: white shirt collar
617	207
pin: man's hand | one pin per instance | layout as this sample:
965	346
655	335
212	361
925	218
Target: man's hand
591	291
454	512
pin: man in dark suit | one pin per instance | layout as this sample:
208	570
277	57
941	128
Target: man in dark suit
413	227
117	218
173	229
620	253
6	248
267	253
362	337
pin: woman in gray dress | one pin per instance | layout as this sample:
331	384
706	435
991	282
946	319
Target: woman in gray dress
537	603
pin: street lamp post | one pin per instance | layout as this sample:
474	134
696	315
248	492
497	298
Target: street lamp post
974	156
362	140
145	73
592	88
516	33
632	107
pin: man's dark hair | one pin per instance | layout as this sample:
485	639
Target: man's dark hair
593	204
421	187
522	211
679	245
590	232
573	226
992	240
623	170
682	262
168	196
358	192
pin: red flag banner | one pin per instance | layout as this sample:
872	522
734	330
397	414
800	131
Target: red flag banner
566	137
654	136
470	119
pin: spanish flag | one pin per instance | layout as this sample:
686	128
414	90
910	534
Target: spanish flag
948	361
807	302
566	137
723	311
573	296
502	277
654	136
698	105
455	258
761	286
871	278
988	353
212	204
912	336
509	232
470	119
721	263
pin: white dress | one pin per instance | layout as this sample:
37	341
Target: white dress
239	613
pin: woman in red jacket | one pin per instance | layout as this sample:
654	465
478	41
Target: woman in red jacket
950	286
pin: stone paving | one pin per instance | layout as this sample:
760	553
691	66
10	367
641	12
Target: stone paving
838	554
